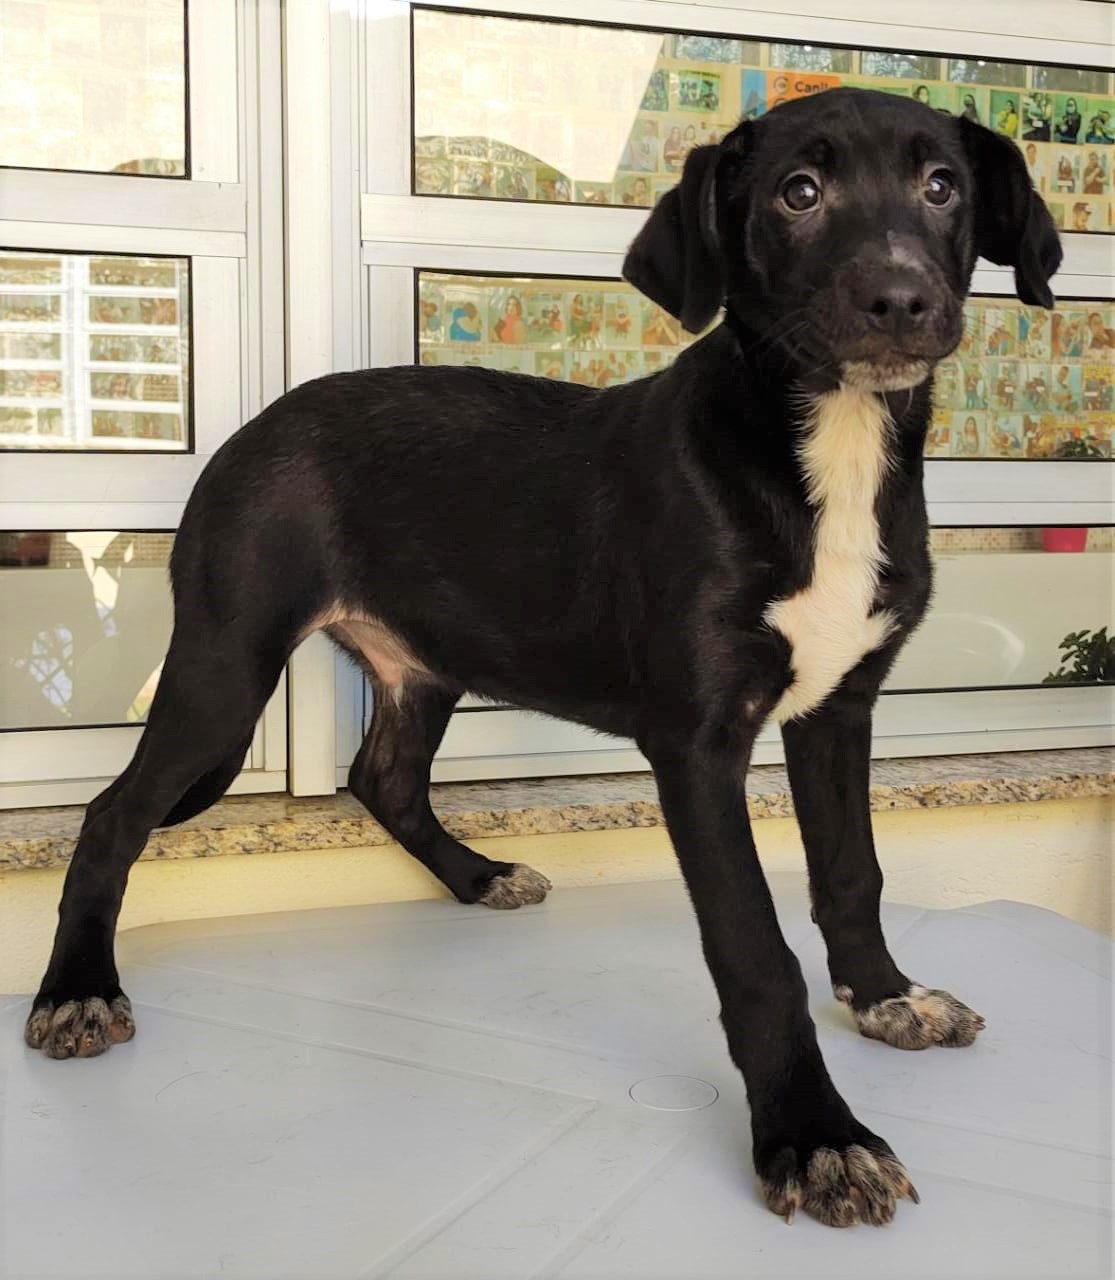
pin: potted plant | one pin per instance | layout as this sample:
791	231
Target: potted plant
1089	658
1065	538
1077	447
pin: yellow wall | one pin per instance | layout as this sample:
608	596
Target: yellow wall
1054	854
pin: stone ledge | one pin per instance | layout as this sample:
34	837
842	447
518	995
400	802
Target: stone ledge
37	838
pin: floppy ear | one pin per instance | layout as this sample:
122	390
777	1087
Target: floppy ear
675	259
1013	226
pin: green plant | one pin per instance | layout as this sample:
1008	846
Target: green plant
1092	658
1078	447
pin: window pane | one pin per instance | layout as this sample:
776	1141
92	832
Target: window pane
1024	383
516	109
696	48
979	71
1073	80
1005	599
810	57
94	352
85	621
907	66
94	84
525	110
594	332
1027	383
1019	606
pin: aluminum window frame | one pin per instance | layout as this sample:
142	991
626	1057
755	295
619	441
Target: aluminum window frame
227	218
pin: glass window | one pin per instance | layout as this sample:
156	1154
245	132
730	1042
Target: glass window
84	626
698	48
979	71
1010	608
594	332
610	119
1028	383
497	114
94	85
94	352
1015	606
899	66
810	57
1073	80
1024	383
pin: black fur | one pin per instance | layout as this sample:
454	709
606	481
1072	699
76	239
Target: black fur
607	556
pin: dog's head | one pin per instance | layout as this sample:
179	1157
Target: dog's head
843	228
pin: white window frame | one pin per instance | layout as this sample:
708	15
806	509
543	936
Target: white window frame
227	218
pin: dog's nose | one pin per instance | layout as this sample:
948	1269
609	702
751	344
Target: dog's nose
898	306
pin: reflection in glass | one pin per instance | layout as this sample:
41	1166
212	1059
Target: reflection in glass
1073	80
908	66
700	48
1017	606
1024	383
593	332
979	71
94	352
505	107
1027	383
516	109
85	620
94	84
810	57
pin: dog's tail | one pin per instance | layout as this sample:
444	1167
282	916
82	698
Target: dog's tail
209	788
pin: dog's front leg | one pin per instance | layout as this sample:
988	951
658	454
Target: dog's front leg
828	755
809	1149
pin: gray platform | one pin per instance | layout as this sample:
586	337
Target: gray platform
438	1092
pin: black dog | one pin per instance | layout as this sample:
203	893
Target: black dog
740	536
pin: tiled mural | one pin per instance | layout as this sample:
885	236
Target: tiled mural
1025	383
507	108
94	351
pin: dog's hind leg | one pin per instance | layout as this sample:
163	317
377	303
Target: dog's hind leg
206	791
209	788
214	686
391	777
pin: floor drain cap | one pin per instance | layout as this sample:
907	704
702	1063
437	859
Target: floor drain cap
674	1093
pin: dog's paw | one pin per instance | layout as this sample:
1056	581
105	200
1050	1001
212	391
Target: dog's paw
839	1186
518	887
916	1020
79	1028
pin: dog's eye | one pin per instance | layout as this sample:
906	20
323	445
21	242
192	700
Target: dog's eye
940	187
800	193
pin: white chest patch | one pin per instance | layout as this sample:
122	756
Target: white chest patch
829	624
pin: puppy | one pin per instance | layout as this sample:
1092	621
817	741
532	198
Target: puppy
738	537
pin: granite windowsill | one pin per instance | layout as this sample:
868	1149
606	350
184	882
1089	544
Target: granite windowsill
37	838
